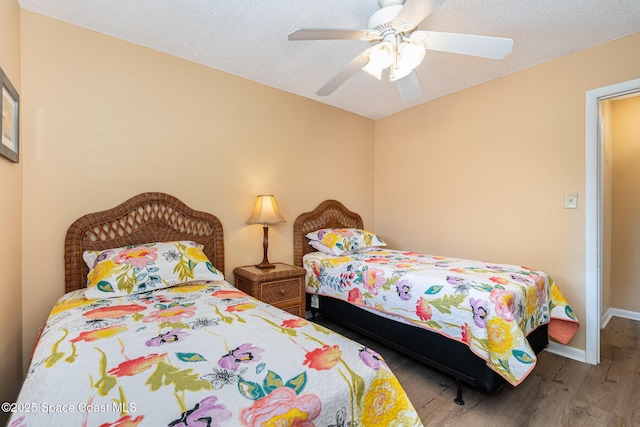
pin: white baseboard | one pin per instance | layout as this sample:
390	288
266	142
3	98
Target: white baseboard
627	314
580	355
566	351
605	319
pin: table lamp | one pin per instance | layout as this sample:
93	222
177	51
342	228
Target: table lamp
265	212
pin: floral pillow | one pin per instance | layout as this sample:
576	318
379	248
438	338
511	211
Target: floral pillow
340	241
133	269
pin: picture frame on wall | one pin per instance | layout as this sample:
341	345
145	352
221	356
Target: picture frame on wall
9	125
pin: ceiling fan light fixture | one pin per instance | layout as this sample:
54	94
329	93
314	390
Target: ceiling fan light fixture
382	54
373	71
411	54
399	71
380	58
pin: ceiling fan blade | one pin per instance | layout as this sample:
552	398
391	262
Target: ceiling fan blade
468	44
327	34
350	69
414	11
409	87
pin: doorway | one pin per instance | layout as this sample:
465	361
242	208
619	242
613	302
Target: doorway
594	210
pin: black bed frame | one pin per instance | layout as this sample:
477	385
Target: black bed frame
446	355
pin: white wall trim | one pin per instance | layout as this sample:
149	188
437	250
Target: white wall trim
566	351
605	319
593	213
581	355
618	312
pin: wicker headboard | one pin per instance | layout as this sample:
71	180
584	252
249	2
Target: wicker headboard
328	214
145	218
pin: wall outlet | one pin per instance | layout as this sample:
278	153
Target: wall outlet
315	301
571	200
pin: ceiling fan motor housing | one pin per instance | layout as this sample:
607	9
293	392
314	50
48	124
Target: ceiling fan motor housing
381	19
385	3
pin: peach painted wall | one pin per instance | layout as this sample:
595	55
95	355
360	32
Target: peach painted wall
625	253
105	120
10	224
482	173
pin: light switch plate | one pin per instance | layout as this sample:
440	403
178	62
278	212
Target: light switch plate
570	200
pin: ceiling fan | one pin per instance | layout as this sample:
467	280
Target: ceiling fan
399	47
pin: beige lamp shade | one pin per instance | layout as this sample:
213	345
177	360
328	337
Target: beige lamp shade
265	211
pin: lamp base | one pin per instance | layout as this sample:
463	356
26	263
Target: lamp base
265	265
265	247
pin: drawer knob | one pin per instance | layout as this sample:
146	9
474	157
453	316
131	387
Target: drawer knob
282	291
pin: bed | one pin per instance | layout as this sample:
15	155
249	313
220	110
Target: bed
483	324
149	333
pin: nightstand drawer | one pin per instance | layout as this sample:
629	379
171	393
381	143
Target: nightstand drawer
281	286
294	309
284	290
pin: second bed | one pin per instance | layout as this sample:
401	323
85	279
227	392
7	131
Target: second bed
482	323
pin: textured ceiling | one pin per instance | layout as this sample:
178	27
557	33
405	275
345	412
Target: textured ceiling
248	38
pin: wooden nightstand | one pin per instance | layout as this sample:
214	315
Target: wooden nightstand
281	286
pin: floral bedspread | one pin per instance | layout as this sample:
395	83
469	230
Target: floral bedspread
202	354
489	307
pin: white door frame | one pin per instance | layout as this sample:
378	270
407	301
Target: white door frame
593	211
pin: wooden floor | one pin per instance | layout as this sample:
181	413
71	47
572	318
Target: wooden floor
559	392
